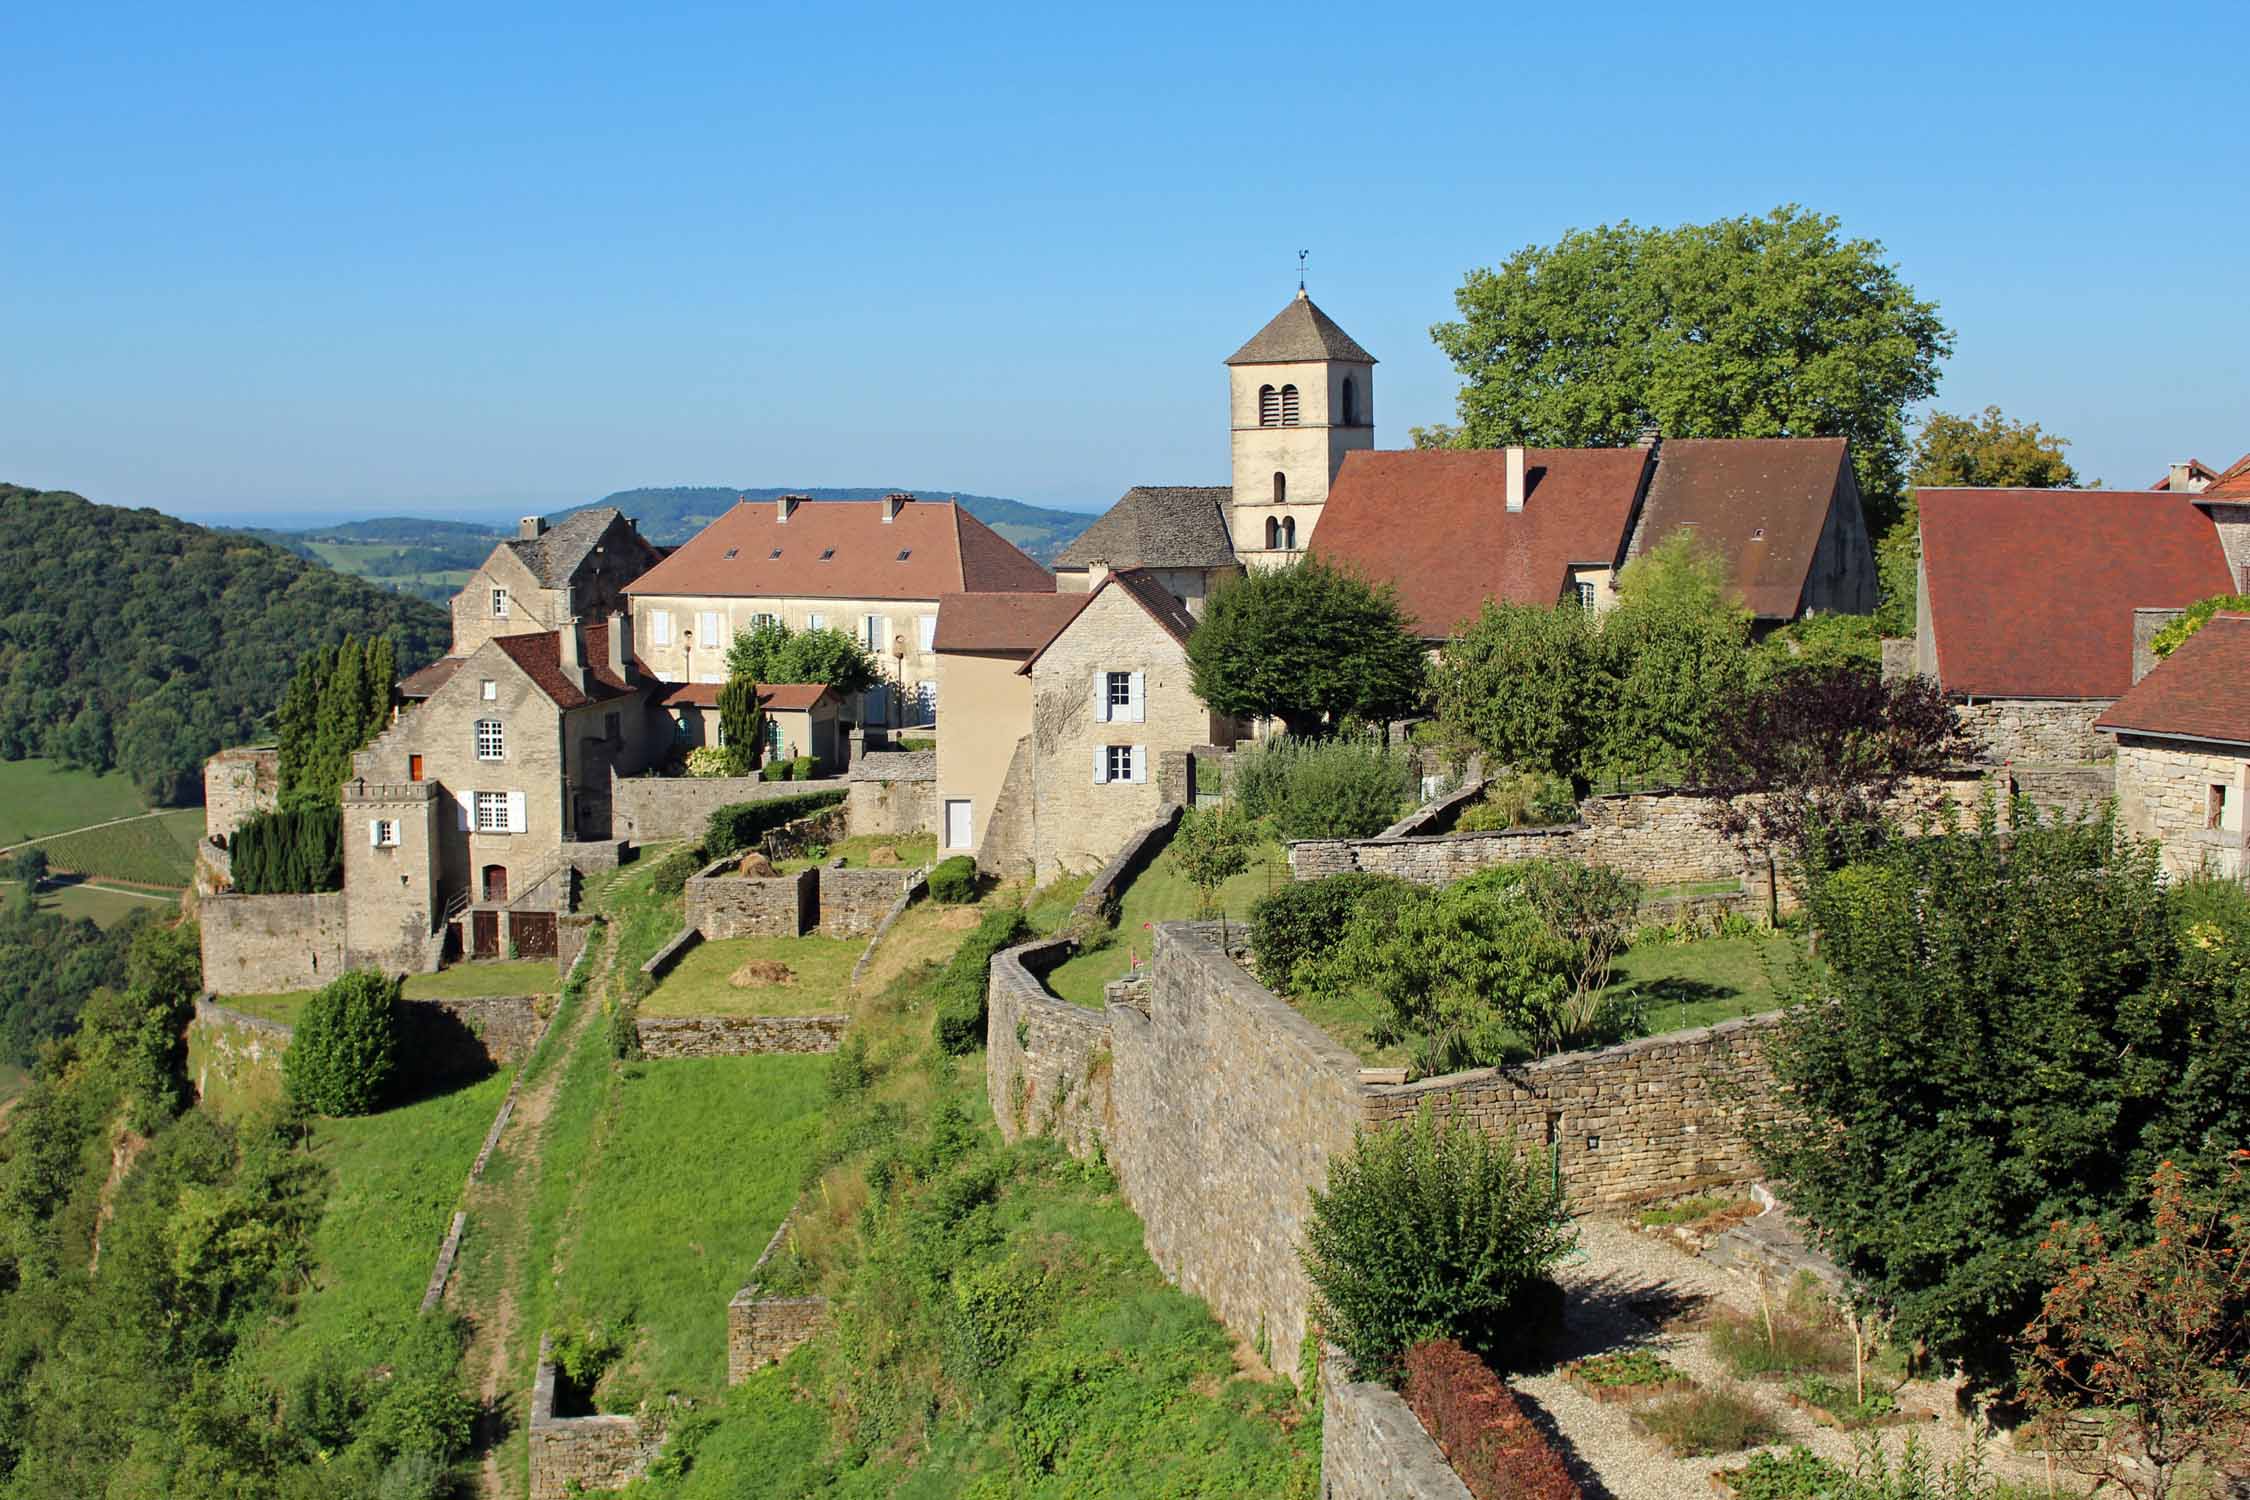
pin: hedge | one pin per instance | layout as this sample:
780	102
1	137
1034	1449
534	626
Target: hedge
289	852
961	984
343	1058
1481	1427
1305	918
953	882
739	825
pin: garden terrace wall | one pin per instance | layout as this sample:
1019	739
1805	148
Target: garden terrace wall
267	945
763	1330
648	808
1047	1061
739	1036
570	1454
1106	891
722	904
853	903
1372	1447
233	1047
894	792
440	1037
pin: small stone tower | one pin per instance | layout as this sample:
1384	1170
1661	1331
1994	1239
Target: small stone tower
1302	394
392	868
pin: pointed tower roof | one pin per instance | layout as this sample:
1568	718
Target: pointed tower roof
1299	333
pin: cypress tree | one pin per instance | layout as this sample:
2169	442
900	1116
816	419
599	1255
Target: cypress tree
742	722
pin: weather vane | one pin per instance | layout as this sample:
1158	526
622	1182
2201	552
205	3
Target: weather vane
1301	268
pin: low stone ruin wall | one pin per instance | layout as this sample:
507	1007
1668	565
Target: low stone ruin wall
1046	1061
269	945
441	1037
893	792
722	904
2035	731
739	1036
853	903
645	809
569	1455
762	1330
1372	1447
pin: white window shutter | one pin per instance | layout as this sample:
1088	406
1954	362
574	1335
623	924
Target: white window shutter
1140	764
927	625
1101	764
515	812
816	621
885	648
1139	709
374	833
461	806
1101	697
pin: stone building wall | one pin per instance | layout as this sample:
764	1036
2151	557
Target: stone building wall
894	792
1005	850
646	809
1650	1118
571	1454
739	1036
853	903
264	945
1046	1061
2035	731
237	783
2164	793
1372	1447
502	1029
721	904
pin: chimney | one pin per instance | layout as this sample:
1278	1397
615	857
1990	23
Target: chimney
1515	479
570	652
2183	478
786	506
531	528
892	502
1651	435
621	646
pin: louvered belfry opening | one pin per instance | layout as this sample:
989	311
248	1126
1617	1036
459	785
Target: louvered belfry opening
1288	406
1269	406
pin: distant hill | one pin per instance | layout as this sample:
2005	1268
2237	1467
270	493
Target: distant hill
671	515
135	640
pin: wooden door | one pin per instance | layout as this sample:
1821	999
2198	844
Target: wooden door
484	934
532	934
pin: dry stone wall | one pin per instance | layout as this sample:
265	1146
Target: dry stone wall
1372	1447
893	792
648	808
237	783
853	903
2035	731
1046	1061
572	1454
739	1036
441	1037
265	945
722	904
763	1330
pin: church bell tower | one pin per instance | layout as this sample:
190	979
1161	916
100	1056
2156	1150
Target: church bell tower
1302	395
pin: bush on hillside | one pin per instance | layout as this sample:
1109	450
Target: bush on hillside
1348	787
344	1056
777	770
1433	1230
1525	800
1302	921
739	825
674	870
803	768
290	851
961	983
954	881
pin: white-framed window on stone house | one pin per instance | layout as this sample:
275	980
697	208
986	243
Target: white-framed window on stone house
2215	808
492	740
499	604
1585	595
816	621
660	627
1119	698
382	833
498	812
875	634
707	627
925	632
1126	763
489	690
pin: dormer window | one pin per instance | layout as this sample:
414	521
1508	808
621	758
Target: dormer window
904	553
499	604
827	554
773	554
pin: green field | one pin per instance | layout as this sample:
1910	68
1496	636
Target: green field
155	850
360	558
38	797
1714	979
699	986
1161	894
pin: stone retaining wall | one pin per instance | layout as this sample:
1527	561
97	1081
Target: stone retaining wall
1046	1061
739	1036
763	1330
853	903
917	886
442	1037
570	1454
894	792
1372	1447
721	904
645	809
1100	900
269	945
661	962
2035	731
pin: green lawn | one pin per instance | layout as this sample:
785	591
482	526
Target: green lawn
913	850
396	1179
158	850
38	797
1713	979
699	985
467	981
1161	894
699	1160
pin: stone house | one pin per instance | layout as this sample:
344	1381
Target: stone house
875	568
983	640
802	718
2183	751
1450	529
1109	698
2027	600
546	575
1176	532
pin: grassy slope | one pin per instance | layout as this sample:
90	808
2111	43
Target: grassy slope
529	976
699	986
40	797
914	850
1162	895
158	850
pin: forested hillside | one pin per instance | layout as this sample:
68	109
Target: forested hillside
134	640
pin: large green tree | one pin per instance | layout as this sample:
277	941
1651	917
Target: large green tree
1774	325
337	701
1309	645
771	652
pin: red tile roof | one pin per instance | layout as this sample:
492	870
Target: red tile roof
2201	691
1144	589
1004	624
432	677
1759	502
948	551
2031	593
2227	483
784	697
1436	525
540	656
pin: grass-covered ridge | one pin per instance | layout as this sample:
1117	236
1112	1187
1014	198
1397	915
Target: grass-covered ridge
40	797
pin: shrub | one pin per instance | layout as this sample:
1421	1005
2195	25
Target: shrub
345	1052
2175	635
960	985
1480	1426
674	870
1342	788
1777	1343
954	881
1431	1231
778	770
739	825
912	742
289	851
1526	800
803	768
1840	1401
1303	920
1799	1474
1626	1367
710	760
1705	1421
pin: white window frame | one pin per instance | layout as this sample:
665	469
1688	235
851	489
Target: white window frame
873	633
926	632
707	628
499	604
1586	594
491	812
1120	763
382	833
660	627
1117	694
816	621
498	740
489	691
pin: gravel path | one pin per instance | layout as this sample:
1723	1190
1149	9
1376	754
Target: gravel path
1621	1268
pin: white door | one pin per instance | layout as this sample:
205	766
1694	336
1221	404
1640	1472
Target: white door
957	823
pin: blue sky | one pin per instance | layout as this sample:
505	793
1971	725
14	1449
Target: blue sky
482	260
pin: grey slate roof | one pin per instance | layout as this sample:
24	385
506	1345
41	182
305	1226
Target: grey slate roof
1158	526
554	557
1300	332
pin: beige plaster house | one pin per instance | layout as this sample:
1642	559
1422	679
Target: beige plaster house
875	568
2183	752
801	719
983	640
546	575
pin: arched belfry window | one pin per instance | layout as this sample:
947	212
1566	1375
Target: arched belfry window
1269	406
1273	533
1289	533
1351	402
1280	488
1288	406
